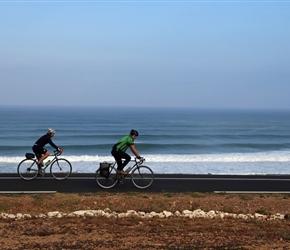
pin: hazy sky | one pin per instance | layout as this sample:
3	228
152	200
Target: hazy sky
200	54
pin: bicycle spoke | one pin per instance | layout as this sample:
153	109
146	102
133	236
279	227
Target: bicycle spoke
60	169
27	169
142	177
108	181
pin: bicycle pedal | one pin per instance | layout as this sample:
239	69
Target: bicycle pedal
41	172
120	180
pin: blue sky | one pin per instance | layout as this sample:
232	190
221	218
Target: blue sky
200	54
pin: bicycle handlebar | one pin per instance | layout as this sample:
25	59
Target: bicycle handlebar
57	152
139	161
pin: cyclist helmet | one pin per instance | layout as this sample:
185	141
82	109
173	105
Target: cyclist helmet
134	132
51	131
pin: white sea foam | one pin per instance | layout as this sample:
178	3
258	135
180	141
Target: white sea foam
275	162
274	156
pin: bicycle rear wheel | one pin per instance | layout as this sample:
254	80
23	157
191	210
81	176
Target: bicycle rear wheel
27	169
109	181
60	169
142	177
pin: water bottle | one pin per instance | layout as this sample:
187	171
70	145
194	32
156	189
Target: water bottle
128	169
47	163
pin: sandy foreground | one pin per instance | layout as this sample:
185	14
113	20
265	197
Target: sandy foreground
133	232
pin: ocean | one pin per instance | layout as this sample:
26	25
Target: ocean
172	140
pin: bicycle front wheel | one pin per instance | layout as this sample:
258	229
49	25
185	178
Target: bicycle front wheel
60	169
142	177
108	181
27	169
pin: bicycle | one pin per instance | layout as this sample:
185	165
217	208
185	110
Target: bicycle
141	176
60	168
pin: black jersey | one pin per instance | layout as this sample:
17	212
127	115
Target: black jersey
45	139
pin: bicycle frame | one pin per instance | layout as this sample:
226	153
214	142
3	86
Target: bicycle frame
60	168
55	158
136	164
141	176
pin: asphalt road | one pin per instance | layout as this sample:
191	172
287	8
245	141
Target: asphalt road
85	183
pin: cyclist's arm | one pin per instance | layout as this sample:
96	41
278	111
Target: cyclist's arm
134	151
52	144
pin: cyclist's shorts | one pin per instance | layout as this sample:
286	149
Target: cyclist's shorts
38	150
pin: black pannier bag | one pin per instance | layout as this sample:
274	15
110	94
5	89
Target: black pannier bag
105	169
29	156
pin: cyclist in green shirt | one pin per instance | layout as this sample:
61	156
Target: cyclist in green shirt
119	150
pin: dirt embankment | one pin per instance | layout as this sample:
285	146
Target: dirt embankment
145	233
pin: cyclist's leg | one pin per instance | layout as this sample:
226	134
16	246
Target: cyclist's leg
119	155
41	153
37	151
43	157
117	158
127	159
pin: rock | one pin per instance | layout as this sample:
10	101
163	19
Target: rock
113	215
52	214
177	213
107	210
167	214
153	214
19	216
260	216
242	216
131	213
27	216
198	213
121	215
80	213
185	212
11	216
211	214
141	214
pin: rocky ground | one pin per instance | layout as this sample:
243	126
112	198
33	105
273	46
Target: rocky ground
99	232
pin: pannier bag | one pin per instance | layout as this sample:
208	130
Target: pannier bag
104	169
29	156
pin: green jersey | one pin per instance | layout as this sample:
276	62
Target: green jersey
124	143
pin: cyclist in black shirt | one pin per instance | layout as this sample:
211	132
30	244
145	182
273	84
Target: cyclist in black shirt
39	150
